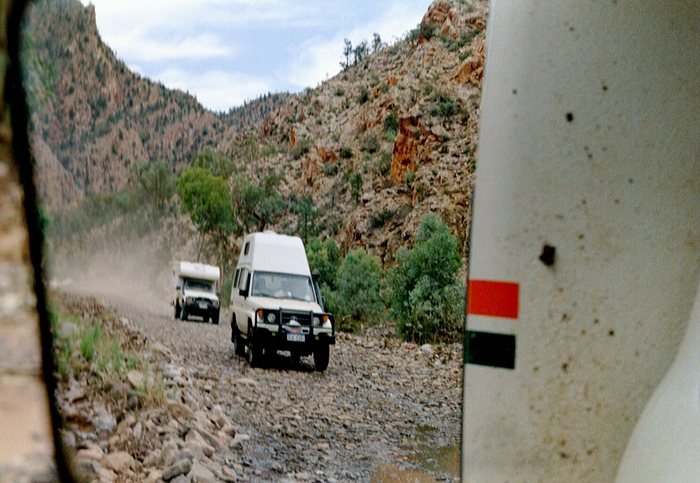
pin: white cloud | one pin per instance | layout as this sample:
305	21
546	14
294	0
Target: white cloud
216	90
139	46
319	59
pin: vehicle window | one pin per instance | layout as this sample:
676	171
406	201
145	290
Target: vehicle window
200	285
283	285
235	278
242	279
247	247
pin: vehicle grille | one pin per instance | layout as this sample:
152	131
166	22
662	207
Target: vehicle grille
303	318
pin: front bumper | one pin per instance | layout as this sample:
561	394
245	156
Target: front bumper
201	307
289	334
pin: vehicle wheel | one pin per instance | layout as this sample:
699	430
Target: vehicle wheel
238	344
322	354
215	318
183	313
255	352
177	311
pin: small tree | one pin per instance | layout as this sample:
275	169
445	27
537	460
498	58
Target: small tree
359	299
376	42
206	199
425	297
307	215
324	258
347	52
155	184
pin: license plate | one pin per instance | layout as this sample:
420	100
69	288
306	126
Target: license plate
296	337
203	305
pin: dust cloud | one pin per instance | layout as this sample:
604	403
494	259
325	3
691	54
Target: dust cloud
130	277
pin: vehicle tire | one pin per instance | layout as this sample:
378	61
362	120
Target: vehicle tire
255	351
183	314
322	355
177	311
215	317
238	344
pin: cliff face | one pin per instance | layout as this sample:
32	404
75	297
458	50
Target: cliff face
387	140
96	117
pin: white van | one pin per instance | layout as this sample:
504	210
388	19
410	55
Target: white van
196	291
276	304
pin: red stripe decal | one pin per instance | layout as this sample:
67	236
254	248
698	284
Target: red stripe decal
493	298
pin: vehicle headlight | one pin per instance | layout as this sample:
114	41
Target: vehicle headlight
271	318
317	321
188	300
215	303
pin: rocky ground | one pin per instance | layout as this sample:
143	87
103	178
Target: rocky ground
383	411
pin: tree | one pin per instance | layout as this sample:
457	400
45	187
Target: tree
324	258
360	52
425	297
256	205
376	42
206	198
307	214
155	184
347	52
359	299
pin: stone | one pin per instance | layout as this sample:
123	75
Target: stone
237	441
154	458
136	379
90	452
181	479
201	474
103	419
198	444
218	416
179	410
105	475
154	476
427	349
119	462
178	468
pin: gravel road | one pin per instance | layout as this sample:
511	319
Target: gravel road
384	410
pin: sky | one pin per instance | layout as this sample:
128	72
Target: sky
225	52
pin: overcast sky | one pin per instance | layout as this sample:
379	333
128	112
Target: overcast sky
228	51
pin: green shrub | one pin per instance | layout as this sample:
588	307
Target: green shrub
363	96
370	143
356	183
330	169
385	163
301	148
391	122
410	177
358	299
324	258
425	297
345	152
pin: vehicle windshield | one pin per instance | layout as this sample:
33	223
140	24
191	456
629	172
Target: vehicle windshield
283	286
199	285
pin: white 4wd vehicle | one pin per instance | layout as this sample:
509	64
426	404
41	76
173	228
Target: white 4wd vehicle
196	287
276	304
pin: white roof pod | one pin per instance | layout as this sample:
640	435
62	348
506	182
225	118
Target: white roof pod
198	271
272	252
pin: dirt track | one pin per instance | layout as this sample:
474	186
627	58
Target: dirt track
383	411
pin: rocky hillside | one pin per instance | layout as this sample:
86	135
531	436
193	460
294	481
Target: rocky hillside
389	139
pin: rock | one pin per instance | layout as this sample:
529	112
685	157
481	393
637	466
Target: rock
181	479
246	381
201	474
68	438
178	410
198	444
154	476
105	475
427	349
90	452
178	468
126	423
227	474
154	458
137	431
219	417
169	449
120	461
76	392
103	420
237	441
136	379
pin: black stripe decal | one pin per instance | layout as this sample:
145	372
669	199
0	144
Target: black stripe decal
489	349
